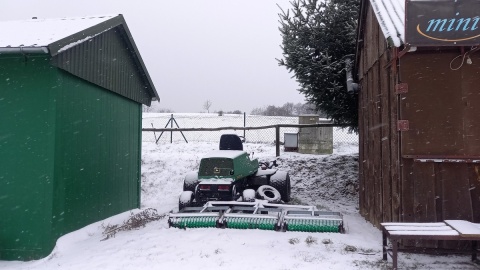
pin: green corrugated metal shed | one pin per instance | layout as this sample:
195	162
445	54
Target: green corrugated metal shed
70	132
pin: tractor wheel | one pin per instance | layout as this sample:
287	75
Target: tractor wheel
281	181
248	195
190	181
185	200
269	194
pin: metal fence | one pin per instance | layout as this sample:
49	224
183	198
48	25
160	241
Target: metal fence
341	136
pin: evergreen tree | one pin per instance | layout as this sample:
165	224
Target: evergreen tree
317	37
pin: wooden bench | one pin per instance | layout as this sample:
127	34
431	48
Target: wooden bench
459	230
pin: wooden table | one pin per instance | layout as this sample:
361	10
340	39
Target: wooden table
459	230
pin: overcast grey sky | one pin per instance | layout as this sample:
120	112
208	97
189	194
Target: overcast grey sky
195	50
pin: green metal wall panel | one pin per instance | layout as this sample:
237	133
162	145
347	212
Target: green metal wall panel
27	140
69	155
96	155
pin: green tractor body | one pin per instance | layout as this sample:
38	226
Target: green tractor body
227	164
230	175
222	174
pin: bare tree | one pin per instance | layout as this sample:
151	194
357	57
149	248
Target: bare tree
207	105
289	108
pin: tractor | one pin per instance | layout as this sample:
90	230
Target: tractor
231	174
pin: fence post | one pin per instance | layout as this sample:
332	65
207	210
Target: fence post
171	126
244	125
277	140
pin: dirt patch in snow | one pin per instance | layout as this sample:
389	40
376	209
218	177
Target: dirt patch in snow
321	180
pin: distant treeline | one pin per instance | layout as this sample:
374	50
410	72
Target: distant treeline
287	109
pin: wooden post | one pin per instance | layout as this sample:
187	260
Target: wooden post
384	244
244	125
474	250
395	254
277	140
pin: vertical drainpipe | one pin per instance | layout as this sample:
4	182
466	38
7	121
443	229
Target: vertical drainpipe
139	162
352	87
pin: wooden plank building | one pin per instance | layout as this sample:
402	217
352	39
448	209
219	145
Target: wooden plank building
419	102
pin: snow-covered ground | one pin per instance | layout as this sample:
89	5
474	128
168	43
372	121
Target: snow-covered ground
326	181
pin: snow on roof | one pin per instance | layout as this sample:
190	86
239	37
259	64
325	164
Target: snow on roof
42	32
391	17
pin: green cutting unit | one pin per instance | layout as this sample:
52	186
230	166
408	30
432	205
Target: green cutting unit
258	215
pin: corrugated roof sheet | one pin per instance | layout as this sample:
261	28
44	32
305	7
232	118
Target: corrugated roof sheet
42	32
391	17
62	37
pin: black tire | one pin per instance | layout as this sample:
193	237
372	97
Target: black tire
185	200
190	182
235	196
281	181
269	194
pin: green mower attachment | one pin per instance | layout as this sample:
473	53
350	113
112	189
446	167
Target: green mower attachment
313	221
196	217
258	215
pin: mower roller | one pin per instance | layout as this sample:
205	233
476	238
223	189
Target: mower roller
257	215
196	217
313	221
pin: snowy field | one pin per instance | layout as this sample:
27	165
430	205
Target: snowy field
213	120
329	182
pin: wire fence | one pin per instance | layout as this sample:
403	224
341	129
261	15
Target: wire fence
341	136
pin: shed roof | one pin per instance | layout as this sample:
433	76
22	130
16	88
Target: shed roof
59	36
391	17
43	32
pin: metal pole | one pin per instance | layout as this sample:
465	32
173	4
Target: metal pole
171	126
154	134
181	132
166	125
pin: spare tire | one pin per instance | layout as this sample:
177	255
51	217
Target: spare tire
281	181
269	194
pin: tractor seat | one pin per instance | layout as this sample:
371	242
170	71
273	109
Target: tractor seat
230	142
